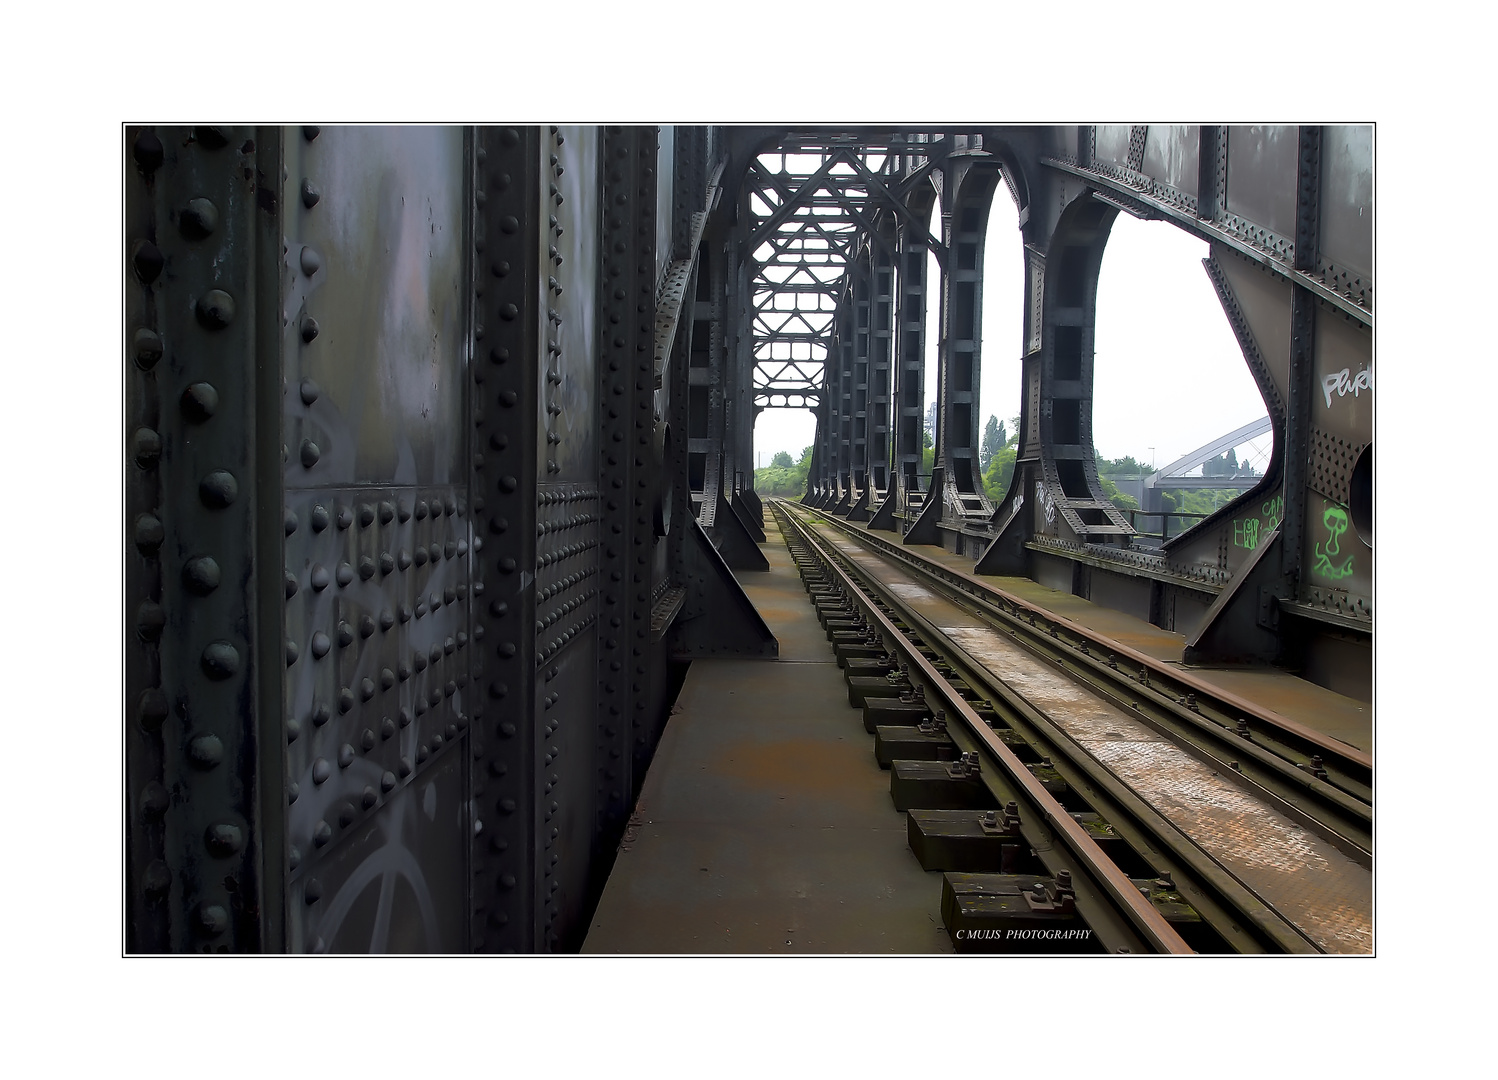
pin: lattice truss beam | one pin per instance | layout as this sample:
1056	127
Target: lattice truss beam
811	202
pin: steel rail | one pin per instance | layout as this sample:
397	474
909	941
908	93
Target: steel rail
1100	871
1342	817
1351	766
1220	897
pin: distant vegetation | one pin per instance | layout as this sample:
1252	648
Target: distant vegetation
996	457
783	476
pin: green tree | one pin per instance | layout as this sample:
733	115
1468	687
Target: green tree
1124	466
928	453
993	442
783	476
1116	497
1000	471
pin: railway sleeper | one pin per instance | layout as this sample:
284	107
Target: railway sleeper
939	785
863	687
846	651
969	842
1013	913
869	667
913	742
892	711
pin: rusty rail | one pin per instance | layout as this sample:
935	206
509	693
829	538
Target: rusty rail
1098	879
1245	920
1285	746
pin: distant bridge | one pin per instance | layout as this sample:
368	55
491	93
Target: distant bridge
1173	476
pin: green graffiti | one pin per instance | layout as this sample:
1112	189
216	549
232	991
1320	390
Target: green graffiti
1247	532
1335	520
1273	511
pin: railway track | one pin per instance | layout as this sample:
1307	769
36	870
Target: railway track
1136	796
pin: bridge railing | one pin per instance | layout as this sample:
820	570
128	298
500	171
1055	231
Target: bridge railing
1184	520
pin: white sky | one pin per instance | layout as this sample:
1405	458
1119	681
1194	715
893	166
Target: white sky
1168	375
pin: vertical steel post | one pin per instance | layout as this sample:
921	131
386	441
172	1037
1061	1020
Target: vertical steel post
508	240
205	653
1300	404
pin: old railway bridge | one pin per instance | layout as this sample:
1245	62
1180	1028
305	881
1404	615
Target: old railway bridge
453	622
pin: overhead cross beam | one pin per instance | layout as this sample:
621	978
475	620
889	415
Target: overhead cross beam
806	225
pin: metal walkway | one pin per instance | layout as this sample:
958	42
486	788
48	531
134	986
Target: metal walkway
765	824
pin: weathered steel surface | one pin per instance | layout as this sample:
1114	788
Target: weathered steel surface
378	540
203	641
398	441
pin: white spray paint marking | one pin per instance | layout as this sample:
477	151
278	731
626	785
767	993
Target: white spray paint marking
1344	382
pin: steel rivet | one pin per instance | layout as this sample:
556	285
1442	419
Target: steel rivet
220	660
202	575
154	801
319	518
310	195
311	261
148	152
148	349
198	220
206	751
218	489
148	261
157	878
146	447
215	309
150	620
223	839
149	534
152	710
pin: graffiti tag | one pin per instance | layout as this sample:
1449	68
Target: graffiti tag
1344	382
1335	520
1273	511
1043	499
1247	532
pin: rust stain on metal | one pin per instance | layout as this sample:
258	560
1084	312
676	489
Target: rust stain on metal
793	767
